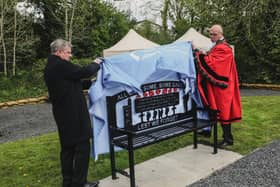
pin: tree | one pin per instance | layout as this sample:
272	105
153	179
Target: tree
69	7
3	10
24	39
15	42
8	34
91	25
188	13
97	27
51	26
251	26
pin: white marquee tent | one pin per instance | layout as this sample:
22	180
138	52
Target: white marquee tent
130	42
199	41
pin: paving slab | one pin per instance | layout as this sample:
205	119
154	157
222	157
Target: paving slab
176	169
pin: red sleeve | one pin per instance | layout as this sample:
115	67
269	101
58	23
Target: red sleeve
216	66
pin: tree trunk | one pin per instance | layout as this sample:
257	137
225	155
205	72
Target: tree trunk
2	38
164	15
15	42
66	20
72	19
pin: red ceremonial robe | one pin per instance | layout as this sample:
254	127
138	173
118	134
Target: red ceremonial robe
218	82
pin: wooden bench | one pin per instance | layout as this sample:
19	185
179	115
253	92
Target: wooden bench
160	117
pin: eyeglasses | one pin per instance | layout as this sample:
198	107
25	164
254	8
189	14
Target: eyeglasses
213	34
68	52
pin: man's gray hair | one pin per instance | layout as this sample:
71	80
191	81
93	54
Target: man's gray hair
59	44
218	27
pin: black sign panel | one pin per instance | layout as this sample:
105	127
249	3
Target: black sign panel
155	102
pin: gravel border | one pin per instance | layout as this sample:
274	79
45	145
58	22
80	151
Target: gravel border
19	122
260	168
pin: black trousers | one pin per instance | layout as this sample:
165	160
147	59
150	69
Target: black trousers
227	135
74	164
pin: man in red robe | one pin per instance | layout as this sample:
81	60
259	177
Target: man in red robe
218	82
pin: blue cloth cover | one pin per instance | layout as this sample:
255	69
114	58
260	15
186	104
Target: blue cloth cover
128	71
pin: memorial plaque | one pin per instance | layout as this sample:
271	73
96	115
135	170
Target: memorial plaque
156	102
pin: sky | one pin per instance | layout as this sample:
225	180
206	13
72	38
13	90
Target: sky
27	9
141	9
138	9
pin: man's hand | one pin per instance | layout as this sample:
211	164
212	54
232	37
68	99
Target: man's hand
98	60
197	50
194	48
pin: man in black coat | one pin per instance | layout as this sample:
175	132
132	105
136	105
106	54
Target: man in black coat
65	87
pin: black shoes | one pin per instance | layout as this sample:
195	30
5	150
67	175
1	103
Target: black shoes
92	184
227	136
225	143
204	133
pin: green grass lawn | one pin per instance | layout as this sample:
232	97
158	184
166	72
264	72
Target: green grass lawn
34	162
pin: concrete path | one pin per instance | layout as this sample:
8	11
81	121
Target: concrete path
176	169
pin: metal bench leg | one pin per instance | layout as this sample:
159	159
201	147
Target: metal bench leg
131	162
113	161
215	138
195	139
195	132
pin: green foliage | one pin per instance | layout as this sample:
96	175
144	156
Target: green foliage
153	32
251	26
100	27
51	27
96	26
35	161
26	52
180	27
27	83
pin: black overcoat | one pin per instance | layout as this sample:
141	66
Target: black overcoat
64	82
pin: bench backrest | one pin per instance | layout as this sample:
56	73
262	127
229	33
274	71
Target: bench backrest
162	103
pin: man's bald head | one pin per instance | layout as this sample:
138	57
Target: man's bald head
216	32
217	28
